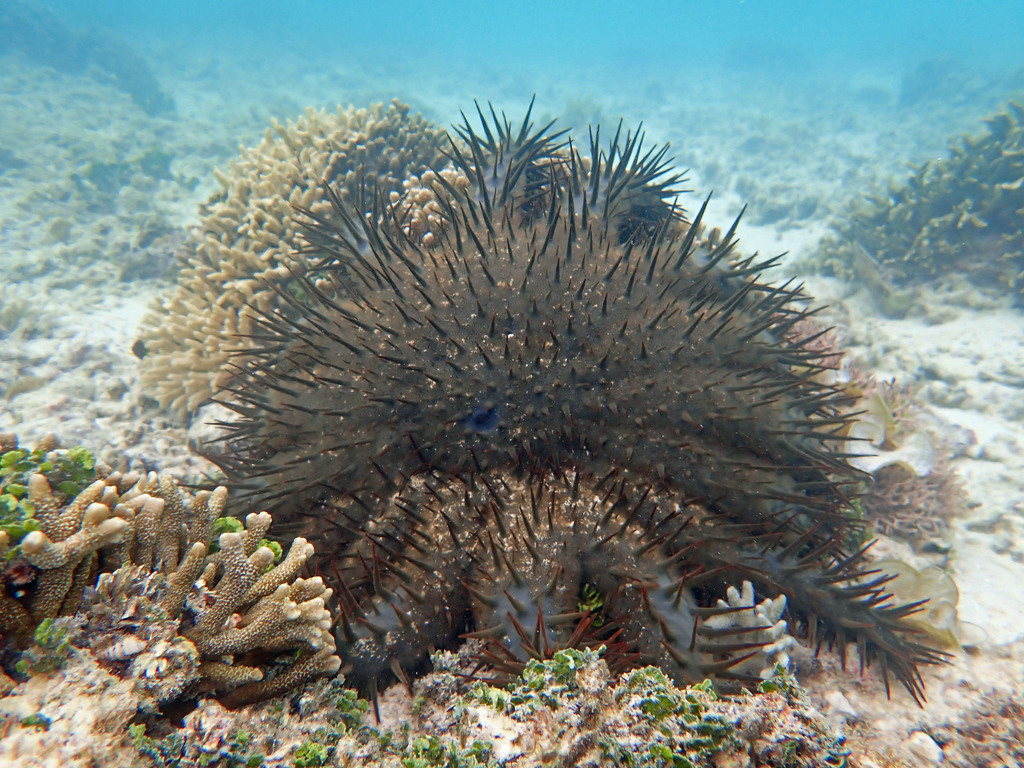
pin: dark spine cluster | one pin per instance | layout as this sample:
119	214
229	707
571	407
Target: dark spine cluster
420	407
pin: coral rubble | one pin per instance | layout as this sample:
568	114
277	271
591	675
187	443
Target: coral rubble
993	736
246	242
568	710
563	390
958	215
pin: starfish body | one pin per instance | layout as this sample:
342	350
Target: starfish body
564	389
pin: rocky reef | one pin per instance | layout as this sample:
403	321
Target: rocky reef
569	710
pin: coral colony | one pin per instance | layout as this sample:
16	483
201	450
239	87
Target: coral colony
161	605
249	236
915	231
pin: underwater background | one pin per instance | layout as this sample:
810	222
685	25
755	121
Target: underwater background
878	146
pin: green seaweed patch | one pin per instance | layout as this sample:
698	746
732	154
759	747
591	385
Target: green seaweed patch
550	683
834	753
162	753
655	695
240	752
51	648
683	717
431	752
68	473
39	721
274	547
783	682
226	525
312	753
319	749
234	525
350	709
553	681
170	751
591	601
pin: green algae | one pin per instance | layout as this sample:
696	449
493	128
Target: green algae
67	472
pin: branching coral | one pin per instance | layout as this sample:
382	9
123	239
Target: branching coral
246	241
165	608
961	214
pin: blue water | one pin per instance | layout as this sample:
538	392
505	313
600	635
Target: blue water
927	70
578	37
863	87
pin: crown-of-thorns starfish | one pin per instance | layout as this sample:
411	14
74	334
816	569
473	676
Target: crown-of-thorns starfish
569	389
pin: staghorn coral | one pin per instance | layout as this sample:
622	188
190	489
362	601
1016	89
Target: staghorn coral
246	240
962	214
165	610
566	392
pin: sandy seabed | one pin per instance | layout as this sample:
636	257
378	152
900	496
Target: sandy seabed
95	197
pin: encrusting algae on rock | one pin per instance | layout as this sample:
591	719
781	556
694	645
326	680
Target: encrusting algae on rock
567	710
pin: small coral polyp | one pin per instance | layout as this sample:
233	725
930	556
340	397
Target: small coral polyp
563	389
